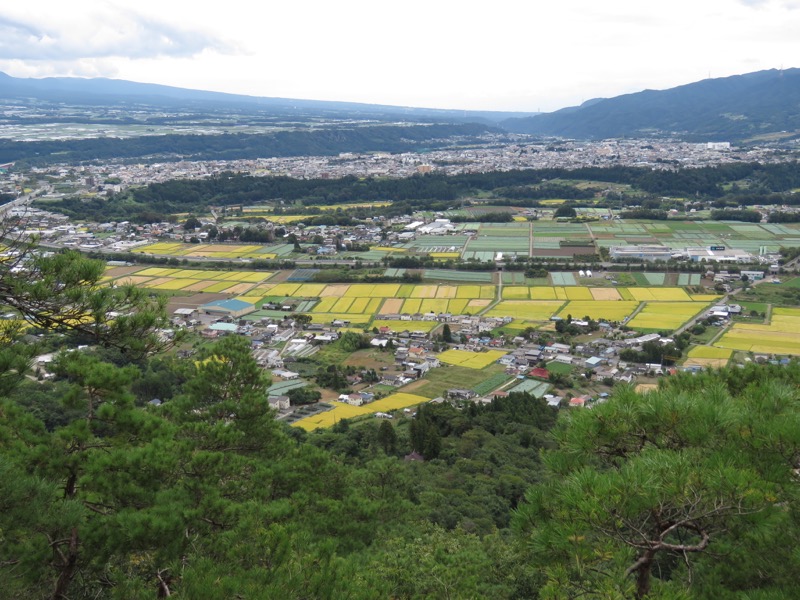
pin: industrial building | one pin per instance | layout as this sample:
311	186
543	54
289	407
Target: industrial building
645	253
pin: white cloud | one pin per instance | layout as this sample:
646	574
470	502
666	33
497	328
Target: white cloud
99	32
446	53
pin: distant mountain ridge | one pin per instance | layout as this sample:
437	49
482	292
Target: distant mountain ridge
734	108
102	91
750	107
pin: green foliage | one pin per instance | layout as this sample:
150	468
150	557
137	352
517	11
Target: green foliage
61	292
303	395
748	216
209	496
565	211
649	493
447	335
387	438
350	341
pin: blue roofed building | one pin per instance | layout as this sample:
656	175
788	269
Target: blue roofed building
228	308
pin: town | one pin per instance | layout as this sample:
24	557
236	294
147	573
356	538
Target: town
560	307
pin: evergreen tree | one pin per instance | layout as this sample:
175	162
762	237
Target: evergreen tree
387	438
648	494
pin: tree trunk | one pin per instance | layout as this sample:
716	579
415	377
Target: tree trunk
67	567
643	575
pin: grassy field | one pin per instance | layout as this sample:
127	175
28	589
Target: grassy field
438	381
560	368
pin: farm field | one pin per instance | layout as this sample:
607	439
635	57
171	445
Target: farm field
438	381
471	360
658	316
599	309
407	325
781	336
482	241
191	280
219	251
346	411
707	357
362	303
756	238
527	310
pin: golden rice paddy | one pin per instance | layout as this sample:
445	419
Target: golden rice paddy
781	336
665	316
471	360
609	310
346	411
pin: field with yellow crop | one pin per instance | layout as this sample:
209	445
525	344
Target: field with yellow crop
665	315
528	310
781	336
709	352
219	251
471	360
194	280
353	318
345	411
654	294
406	325
609	310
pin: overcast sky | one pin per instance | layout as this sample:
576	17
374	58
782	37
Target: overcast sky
495	55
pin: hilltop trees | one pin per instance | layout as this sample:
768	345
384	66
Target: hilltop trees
62	291
686	488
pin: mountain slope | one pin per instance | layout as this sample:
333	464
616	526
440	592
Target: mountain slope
729	108
101	91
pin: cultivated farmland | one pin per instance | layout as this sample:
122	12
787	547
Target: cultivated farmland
346	411
781	336
471	360
660	316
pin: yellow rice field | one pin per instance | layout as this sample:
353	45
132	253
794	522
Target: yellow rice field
346	411
475	292
781	336
543	293
709	352
654	294
194	280
354	318
220	251
471	360
530	310
609	310
433	305
665	315
406	325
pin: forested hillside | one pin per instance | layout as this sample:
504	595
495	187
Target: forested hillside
741	107
687	492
